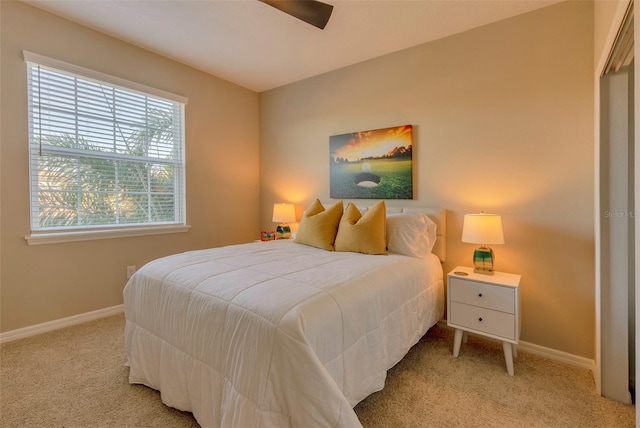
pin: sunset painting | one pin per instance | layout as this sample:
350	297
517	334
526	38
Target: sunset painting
373	164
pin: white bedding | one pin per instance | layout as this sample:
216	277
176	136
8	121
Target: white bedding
276	334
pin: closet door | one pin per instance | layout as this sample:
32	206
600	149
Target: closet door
615	242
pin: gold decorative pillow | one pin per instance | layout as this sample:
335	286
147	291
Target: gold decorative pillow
363	233
318	227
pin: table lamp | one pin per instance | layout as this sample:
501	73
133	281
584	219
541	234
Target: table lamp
283	214
483	229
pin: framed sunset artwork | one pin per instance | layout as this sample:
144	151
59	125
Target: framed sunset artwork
376	164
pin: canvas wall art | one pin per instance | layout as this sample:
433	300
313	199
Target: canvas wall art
376	164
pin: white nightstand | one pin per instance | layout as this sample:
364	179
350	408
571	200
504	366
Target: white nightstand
488	305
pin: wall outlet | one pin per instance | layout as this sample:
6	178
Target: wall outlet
130	271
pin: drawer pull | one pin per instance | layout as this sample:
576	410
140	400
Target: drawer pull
479	294
480	319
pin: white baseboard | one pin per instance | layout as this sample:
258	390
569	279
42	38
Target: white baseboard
559	356
549	353
21	333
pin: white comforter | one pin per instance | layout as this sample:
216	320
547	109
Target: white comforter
275	334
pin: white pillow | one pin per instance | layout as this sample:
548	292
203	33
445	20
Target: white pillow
410	234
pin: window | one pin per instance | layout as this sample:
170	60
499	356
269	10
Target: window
105	154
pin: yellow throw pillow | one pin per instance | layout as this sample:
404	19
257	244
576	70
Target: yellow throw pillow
363	233
318	227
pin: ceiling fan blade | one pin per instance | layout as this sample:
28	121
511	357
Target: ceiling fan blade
312	12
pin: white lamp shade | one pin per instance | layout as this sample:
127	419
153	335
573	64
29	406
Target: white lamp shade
284	213
482	229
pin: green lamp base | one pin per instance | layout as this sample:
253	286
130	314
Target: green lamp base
283	231
483	260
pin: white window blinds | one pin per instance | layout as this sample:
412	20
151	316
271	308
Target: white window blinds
102	155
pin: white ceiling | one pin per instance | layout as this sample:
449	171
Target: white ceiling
256	46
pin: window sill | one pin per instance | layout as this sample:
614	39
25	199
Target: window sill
90	235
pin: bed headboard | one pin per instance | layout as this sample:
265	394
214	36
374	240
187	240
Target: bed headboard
438	215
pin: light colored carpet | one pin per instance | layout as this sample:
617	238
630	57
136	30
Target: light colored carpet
76	377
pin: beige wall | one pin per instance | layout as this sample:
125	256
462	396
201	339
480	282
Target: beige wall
511	102
503	122
48	282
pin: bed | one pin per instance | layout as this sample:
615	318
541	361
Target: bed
277	334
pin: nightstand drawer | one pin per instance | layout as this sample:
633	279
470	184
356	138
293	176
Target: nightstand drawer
484	320
484	295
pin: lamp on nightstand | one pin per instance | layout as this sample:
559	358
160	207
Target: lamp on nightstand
283	214
483	229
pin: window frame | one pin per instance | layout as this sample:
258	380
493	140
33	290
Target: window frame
82	233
